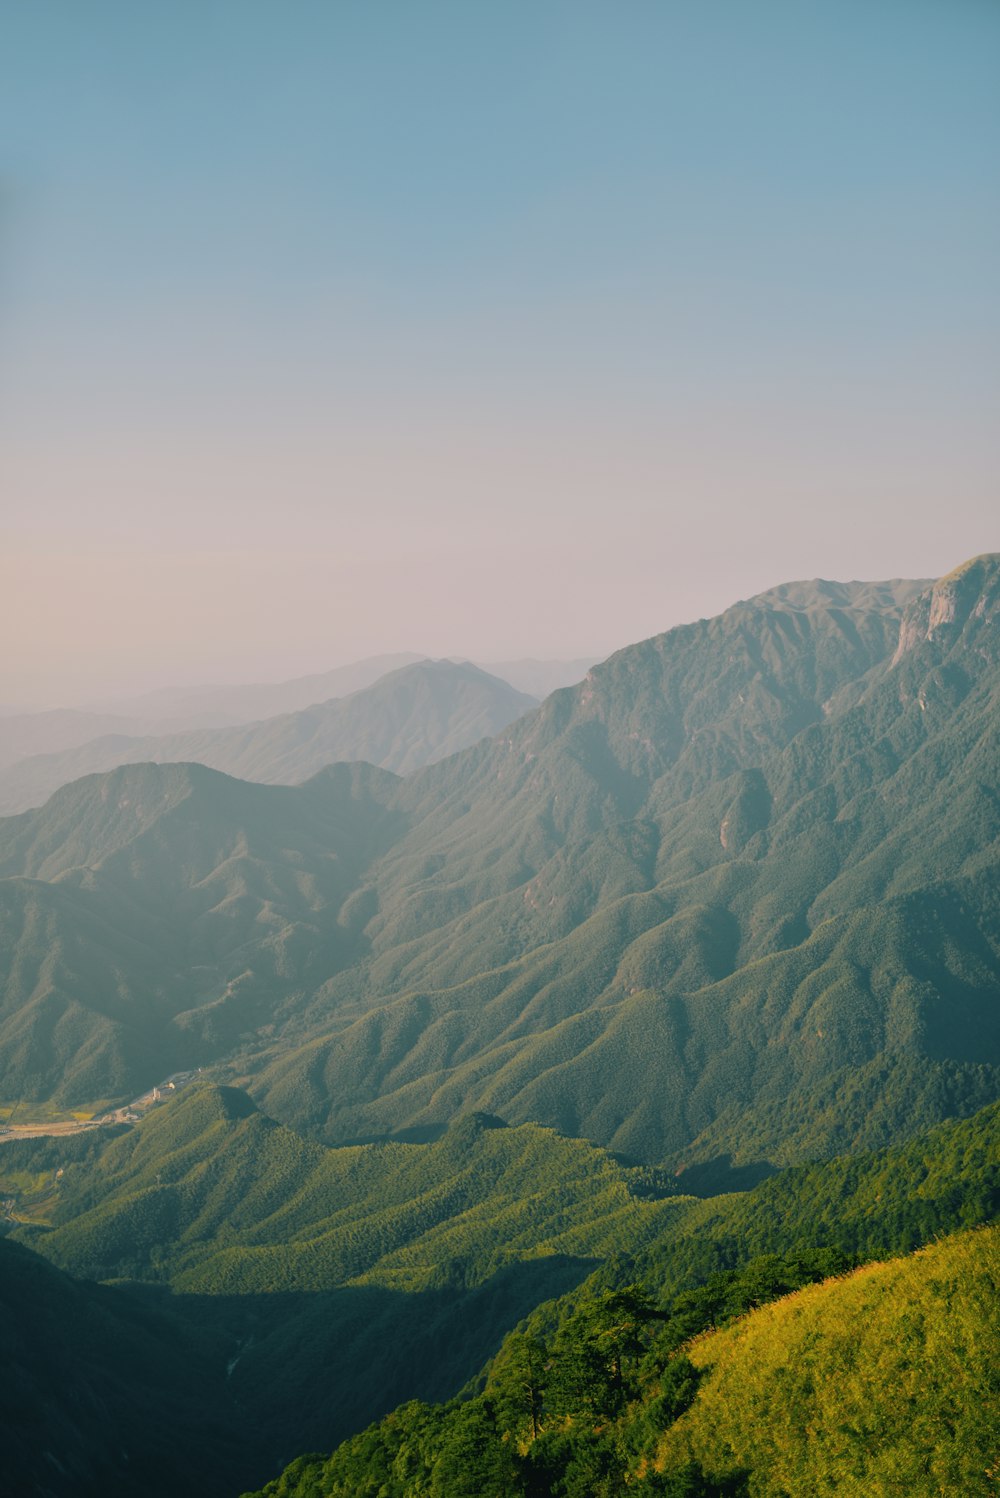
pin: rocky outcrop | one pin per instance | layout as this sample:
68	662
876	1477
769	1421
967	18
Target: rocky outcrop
955	604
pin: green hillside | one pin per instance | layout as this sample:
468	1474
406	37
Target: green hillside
858	1206
883	1381
158	913
887	1381
211	1196
315	1288
787	916
751	862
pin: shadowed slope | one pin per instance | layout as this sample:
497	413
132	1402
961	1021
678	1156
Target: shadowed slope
164	911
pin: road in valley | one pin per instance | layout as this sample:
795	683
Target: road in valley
130	1113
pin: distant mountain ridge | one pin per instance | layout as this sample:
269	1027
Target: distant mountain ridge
25	734
539	678
177	710
407	718
172	710
751	862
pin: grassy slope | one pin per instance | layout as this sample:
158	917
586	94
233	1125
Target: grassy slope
432	1235
885	1382
878	1383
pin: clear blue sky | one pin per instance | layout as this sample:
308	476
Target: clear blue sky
482	328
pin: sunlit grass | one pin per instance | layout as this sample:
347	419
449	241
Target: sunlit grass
49	1112
884	1381
33	1194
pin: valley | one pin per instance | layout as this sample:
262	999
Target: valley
374	1088
127	1113
499	750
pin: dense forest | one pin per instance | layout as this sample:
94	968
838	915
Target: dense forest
415	1291
753	857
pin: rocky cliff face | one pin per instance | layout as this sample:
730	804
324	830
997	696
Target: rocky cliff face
956	606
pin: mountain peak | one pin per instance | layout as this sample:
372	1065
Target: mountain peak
967	595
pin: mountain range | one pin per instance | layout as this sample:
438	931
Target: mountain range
175	710
684	980
752	860
407	718
170	712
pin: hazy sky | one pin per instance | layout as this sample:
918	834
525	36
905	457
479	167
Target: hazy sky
494	327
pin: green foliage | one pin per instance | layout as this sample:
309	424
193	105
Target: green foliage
780	1403
307	1367
519	1380
852	1208
754	857
752	862
207	1179
569	1418
595	1355
212	1196
587	1387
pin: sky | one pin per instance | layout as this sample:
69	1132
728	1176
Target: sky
490	328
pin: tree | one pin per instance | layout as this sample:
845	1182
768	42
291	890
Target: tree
517	1386
597	1350
474	1462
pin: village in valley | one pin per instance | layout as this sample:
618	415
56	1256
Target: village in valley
30	1198
128	1113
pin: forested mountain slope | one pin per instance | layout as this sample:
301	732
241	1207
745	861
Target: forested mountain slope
735	893
314	1289
882	1382
408	718
753	862
210	1195
159	912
